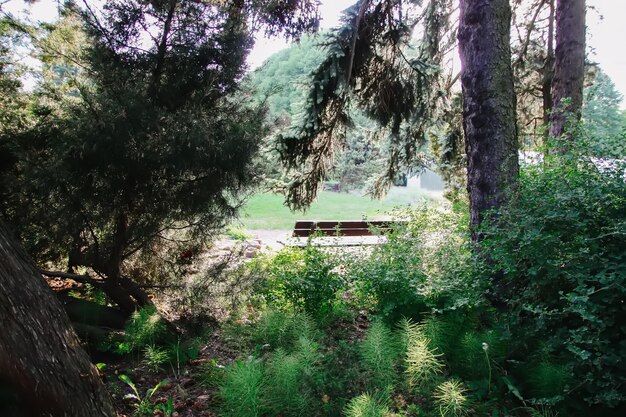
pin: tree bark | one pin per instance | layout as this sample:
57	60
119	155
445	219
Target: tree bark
43	369
548	72
569	66
488	105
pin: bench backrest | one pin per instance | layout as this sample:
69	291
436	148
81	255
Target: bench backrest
305	228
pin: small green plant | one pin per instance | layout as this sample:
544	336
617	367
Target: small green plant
211	374
183	351
477	350
155	358
450	396
542	411
167	408
421	361
144	406
283	394
145	328
96	295
281	329
289	379
366	406
379	351
236	233
547	380
241	389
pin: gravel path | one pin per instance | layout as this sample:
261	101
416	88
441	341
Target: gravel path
271	238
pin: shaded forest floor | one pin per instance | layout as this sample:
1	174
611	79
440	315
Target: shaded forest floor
190	388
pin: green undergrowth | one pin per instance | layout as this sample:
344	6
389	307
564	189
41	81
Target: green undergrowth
147	339
530	324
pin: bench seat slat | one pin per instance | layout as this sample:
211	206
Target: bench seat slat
305	228
351	224
333	232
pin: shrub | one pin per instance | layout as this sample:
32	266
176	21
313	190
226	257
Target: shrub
305	278
424	264
558	257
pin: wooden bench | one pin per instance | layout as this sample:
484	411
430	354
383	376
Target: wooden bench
340	232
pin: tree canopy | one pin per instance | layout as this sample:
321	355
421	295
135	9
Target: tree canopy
142	131
602	118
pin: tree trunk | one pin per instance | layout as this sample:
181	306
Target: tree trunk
113	288
548	72
569	67
488	104
43	369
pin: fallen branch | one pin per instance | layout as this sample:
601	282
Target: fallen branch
83	279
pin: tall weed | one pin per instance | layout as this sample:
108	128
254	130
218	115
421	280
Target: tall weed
379	351
241	389
422	363
366	406
289	380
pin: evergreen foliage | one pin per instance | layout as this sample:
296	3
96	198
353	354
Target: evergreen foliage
369	65
153	142
603	121
281	83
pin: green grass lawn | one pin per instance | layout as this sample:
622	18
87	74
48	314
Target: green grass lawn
266	211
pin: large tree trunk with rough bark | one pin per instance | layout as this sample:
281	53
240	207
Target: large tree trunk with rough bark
569	66
488	104
43	369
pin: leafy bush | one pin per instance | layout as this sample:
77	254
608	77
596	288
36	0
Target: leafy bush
305	278
423	265
558	255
